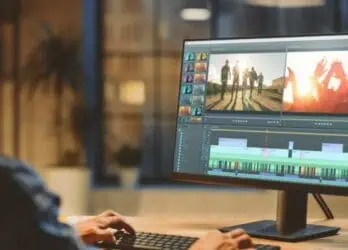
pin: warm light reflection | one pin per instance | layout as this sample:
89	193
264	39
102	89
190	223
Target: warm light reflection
306	85
334	83
288	95
195	14
243	61
132	92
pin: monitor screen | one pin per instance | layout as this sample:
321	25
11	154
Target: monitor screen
265	109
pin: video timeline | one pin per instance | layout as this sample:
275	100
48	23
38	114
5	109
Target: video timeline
293	157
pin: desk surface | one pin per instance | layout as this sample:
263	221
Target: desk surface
198	227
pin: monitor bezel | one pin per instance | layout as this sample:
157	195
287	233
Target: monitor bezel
252	183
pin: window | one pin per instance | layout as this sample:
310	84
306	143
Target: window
131	6
142	55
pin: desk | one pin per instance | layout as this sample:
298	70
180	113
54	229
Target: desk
198	227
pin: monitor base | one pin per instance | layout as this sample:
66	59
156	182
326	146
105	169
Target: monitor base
267	229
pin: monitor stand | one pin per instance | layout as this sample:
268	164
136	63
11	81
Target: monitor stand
291	224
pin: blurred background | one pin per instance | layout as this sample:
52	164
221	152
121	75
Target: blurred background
89	88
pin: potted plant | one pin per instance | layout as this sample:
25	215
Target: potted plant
127	159
54	66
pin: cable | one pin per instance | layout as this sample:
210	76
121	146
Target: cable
323	205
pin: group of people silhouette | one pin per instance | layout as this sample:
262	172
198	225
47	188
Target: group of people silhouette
249	78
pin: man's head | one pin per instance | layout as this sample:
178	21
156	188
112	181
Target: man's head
227	62
252	68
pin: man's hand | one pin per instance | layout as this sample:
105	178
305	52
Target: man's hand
234	240
102	227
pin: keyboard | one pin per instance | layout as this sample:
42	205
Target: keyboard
153	241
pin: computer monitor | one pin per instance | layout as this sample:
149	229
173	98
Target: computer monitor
268	113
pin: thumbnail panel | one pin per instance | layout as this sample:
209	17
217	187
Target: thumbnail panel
188	78
189	57
201	67
184	110
199	89
186	89
316	82
197	111
189	67
246	82
200	78
202	56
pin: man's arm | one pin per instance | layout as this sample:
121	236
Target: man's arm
103	227
51	233
41	229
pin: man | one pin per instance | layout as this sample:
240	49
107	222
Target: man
29	218
252	79
235	84
260	86
245	82
225	76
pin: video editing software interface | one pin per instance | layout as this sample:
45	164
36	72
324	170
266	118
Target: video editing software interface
271	109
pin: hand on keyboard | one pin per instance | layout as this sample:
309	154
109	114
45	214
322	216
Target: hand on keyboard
234	240
102	227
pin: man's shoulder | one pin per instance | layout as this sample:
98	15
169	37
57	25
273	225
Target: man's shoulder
21	180
19	174
9	166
